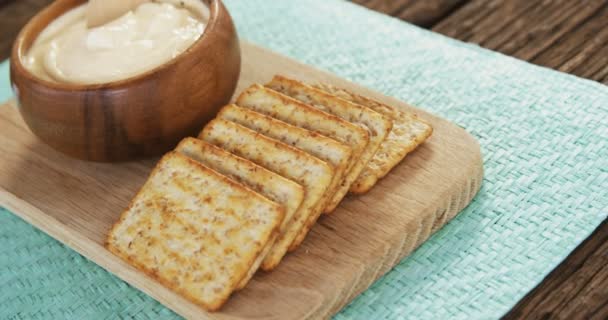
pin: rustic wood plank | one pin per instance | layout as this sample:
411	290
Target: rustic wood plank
582	51
577	289
423	13
566	35
14	14
5	2
390	8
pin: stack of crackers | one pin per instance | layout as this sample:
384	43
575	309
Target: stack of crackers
252	185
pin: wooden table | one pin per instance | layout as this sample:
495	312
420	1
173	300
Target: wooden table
566	35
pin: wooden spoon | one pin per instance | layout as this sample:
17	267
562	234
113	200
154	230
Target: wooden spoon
100	12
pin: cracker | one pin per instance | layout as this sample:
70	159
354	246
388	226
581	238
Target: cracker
407	134
378	125
312	173
289	110
329	150
194	230
267	183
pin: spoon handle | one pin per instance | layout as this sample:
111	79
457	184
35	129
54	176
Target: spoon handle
100	12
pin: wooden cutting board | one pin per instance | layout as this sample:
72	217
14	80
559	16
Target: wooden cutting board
76	202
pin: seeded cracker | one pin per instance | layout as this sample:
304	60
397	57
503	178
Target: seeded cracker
407	134
337	154
284	108
378	125
267	183
312	173
194	230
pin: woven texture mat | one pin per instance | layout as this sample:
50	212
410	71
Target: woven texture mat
545	141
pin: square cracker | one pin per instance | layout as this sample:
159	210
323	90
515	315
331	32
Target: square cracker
377	124
267	183
407	134
194	230
294	112
335	153
313	174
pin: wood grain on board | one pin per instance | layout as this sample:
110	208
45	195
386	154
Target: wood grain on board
579	45
77	202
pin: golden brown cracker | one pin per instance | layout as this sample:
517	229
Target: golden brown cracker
294	112
407	134
335	153
267	183
312	173
378	125
194	230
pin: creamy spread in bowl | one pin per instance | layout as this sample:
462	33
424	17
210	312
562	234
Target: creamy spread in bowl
152	34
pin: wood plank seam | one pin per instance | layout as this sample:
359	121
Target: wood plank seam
437	18
578	26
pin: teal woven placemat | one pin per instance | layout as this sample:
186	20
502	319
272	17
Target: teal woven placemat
545	141
5	86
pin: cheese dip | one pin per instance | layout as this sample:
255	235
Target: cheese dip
153	33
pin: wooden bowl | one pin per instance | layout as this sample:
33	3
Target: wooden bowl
137	117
